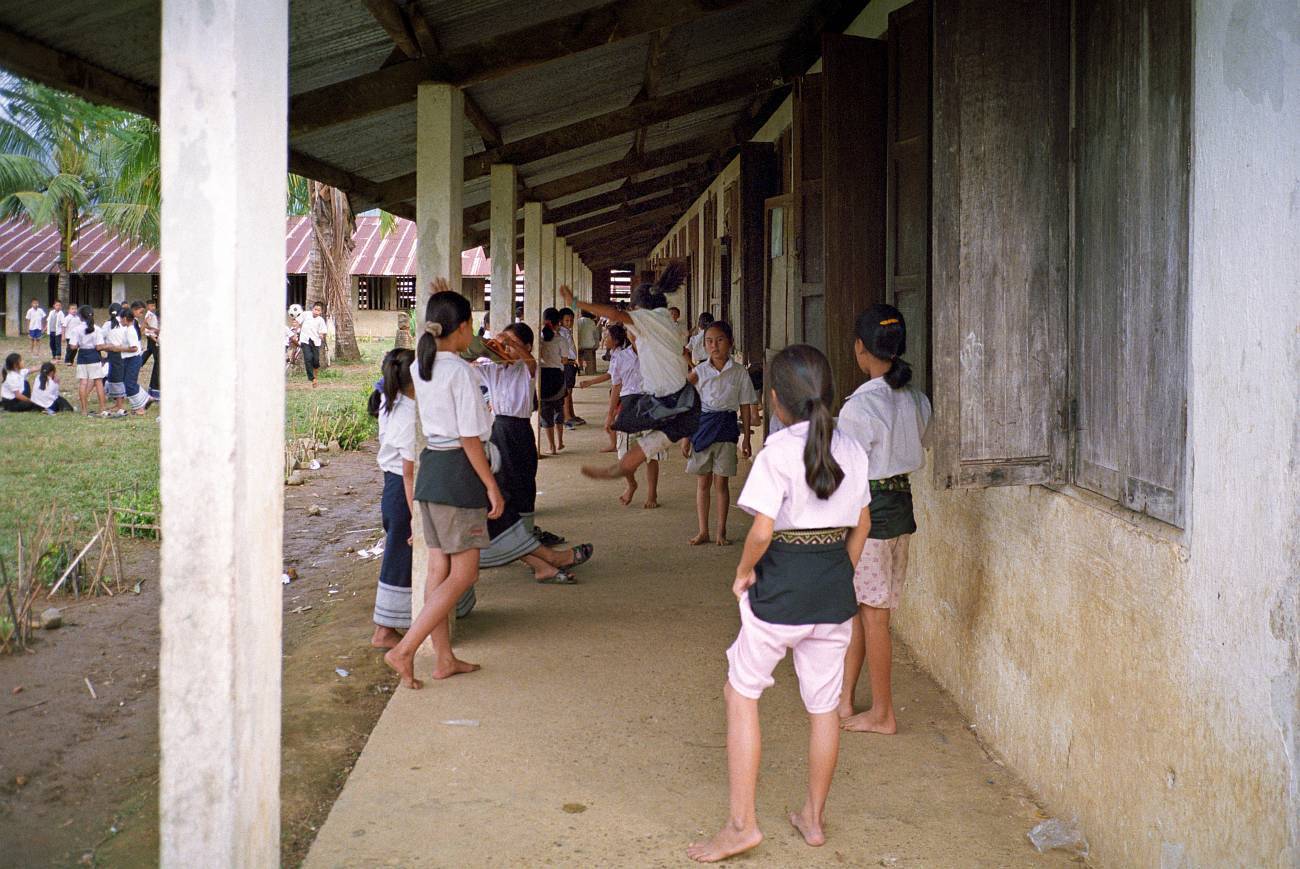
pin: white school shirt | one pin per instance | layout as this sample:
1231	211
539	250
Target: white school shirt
510	387
75	328
451	403
54	322
567	348
727	389
659	347
128	337
889	424
696	345
588	333
313	331
45	397
35	317
70	320
776	486
397	435
549	354
625	370
13	384
151	323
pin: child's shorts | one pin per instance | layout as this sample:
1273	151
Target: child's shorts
818	658
626	441
550	412
880	572
453	529
91	371
34	333
718	458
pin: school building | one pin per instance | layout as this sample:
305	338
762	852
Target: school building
1086	211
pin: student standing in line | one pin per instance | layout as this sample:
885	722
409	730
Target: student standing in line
35	321
45	392
86	338
15	391
695	344
888	419
54	328
310	338
396	412
809	494
725	390
455	491
550	363
569	356
132	354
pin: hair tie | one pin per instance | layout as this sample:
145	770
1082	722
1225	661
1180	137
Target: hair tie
434	329
889	322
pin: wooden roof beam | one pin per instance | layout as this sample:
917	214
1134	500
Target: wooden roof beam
681	197
653	216
704	146
498	56
659	185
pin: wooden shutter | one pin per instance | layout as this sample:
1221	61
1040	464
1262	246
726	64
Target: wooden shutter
854	79
808	273
907	249
760	174
1133	95
1000	252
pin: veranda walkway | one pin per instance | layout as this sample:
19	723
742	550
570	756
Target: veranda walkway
599	730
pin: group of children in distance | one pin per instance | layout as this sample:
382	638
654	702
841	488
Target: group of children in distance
824	560
108	358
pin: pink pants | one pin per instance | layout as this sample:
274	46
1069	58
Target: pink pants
818	658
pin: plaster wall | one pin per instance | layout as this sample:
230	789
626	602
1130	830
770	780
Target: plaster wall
1142	677
13	304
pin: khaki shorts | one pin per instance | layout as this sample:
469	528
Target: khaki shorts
453	529
626	441
718	458
92	371
880	572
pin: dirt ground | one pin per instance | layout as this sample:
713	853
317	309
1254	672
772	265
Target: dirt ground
79	774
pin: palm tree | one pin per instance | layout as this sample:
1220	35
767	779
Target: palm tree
329	276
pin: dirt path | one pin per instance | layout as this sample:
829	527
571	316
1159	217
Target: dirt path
88	766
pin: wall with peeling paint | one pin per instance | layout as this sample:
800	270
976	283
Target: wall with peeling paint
1143	678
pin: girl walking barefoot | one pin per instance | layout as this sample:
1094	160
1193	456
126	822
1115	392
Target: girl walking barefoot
725	390
888	419
455	491
396	412
808	492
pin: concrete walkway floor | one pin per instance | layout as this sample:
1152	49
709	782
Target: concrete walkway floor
594	735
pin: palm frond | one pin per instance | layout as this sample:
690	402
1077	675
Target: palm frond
387	223
21	172
299	201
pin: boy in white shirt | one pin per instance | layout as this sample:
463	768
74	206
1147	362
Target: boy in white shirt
54	328
35	322
311	337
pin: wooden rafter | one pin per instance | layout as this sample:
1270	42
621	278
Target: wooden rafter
704	146
651	217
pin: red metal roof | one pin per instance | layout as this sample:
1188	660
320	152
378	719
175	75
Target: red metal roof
99	251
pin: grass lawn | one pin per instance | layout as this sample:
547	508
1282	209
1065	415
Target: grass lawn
75	463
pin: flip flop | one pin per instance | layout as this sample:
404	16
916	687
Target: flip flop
562	577
582	554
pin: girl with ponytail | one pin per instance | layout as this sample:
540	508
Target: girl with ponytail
455	492
888	419
394	403
808	492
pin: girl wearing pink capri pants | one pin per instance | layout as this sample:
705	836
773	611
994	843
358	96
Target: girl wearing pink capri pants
455	491
888	419
808	491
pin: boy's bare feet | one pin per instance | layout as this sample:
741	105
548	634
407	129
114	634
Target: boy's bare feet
456	668
723	541
871	721
810	830
698	539
650	504
404	664
728	842
626	497
384	638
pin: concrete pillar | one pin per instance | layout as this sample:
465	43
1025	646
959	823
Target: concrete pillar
533	263
13	304
561	267
440	177
548	265
504	204
119	288
224	86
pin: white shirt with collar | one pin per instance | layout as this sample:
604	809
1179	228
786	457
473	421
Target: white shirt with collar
724	390
450	402
397	435
54	322
663	370
35	317
13	384
625	370
45	397
777	486
313	331
510	387
568	349
696	345
127	336
889	424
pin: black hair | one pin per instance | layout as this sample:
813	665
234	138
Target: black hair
47	368
444	312
12	360
722	326
550	320
706	320
618	332
396	368
672	308
566	312
652	296
523	332
125	313
801	378
137	306
87	315
883	334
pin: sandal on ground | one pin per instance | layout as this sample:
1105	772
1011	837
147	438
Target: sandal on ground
582	554
546	538
562	577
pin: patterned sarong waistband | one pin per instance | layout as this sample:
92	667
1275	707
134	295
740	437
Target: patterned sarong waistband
899	483
810	536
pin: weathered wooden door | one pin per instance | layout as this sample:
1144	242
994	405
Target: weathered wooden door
780	303
808	263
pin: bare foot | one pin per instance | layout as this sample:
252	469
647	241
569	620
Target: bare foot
698	539
871	721
722	541
384	638
404	664
650	504
457	667
608	449
728	842
561	446
845	709
810	830
626	497
554	451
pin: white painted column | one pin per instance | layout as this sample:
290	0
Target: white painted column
561	267
504	205
13	304
119	288
548	265
532	263
224	86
